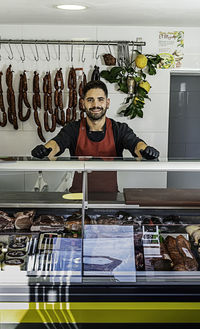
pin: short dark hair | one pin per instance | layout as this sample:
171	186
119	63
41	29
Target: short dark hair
94	85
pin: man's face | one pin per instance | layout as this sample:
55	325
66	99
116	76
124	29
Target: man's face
96	104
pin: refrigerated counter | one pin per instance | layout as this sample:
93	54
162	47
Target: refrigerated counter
106	260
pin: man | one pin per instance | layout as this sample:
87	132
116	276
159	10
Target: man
97	136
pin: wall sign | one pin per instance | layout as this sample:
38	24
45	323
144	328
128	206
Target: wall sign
171	45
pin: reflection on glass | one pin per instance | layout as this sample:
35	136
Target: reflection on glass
109	251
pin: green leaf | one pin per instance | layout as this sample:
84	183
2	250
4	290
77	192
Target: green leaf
128	111
123	87
106	76
133	115
112	75
115	71
137	79
141	91
151	69
140	113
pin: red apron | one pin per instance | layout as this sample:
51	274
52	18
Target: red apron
98	181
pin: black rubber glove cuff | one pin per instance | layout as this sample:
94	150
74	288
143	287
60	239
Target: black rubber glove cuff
40	151
150	153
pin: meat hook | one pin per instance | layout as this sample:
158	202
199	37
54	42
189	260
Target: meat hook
48	58
36	50
109	48
97	56
59	51
10	52
83	58
22	58
72	46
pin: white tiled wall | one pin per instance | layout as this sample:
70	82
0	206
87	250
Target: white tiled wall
153	128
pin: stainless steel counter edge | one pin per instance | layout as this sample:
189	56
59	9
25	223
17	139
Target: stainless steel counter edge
154	166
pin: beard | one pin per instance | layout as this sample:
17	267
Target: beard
96	115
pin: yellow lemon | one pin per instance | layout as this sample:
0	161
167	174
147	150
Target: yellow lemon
141	61
136	99
145	85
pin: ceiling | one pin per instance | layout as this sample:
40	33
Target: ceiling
103	12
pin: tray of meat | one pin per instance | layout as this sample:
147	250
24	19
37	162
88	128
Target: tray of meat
48	223
180	251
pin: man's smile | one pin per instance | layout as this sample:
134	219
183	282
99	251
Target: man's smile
96	110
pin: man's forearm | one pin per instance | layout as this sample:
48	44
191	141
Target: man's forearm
140	146
55	149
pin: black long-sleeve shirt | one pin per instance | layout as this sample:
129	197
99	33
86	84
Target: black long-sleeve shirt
124	137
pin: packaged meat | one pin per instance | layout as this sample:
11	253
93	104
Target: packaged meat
48	222
161	264
174	253
184	248
24	219
181	254
74	222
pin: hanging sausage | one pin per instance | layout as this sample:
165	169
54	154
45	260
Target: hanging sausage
22	98
47	89
37	104
2	107
80	91
72	103
12	116
58	98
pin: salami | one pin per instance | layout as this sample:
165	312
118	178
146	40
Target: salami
58	98
12	116
37	104
3	122
22	98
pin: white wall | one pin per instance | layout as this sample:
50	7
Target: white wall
153	128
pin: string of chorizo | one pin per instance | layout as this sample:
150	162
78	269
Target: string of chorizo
37	104
47	89
2	107
22	98
58	98
72	103
36	89
12	115
80	91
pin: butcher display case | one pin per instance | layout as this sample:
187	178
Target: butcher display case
84	257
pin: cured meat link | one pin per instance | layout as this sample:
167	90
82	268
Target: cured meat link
12	117
46	123
22	98
2	107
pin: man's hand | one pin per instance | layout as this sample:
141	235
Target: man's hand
40	151
50	149
150	153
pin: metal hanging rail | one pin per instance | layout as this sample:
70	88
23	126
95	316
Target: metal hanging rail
72	42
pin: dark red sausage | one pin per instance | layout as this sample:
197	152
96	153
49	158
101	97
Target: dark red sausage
74	98
60	100
68	115
56	98
36	118
40	134
49	104
70	101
